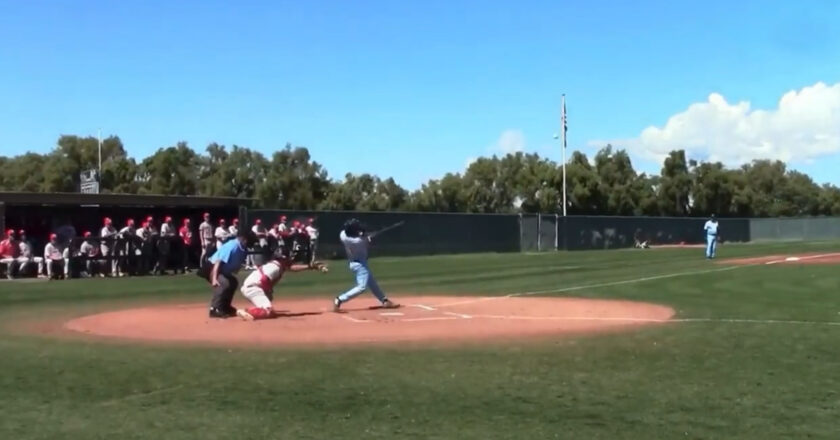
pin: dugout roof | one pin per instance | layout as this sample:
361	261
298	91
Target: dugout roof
151	200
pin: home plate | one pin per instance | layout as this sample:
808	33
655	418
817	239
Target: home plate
792	259
391	314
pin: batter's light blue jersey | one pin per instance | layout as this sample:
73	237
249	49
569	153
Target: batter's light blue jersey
355	247
711	228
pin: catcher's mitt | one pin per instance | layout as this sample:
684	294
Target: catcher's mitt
317	265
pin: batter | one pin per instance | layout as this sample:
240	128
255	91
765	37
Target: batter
356	246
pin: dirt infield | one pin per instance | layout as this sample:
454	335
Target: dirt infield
420	319
813	258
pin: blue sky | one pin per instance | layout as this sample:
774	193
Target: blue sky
415	89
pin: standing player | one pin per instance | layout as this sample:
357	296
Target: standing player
711	228
164	244
262	241
282	227
128	249
205	237
221	234
258	287
312	231
356	246
233	230
185	232
108	245
144	238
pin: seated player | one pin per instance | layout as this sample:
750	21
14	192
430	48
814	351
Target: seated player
89	251
258	287
9	253
26	256
55	258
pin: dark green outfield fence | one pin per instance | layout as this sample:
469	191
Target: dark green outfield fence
445	233
422	234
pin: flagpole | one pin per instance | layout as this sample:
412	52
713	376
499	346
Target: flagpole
563	130
99	135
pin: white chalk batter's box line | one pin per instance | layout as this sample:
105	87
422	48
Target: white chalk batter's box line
604	319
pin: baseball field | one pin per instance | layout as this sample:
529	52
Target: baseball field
625	344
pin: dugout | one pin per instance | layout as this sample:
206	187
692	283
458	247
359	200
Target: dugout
70	214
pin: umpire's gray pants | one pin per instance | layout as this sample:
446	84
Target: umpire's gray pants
223	295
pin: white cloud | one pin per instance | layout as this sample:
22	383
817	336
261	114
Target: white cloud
510	141
805	125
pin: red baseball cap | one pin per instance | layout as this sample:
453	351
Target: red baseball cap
167	219
53	236
129	222
145	224
186	220
282	218
311	220
222	221
259	222
107	220
149	218
22	232
10	232
236	221
86	234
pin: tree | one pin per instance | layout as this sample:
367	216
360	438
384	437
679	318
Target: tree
172	170
445	195
829	200
518	182
582	186
74	154
713	189
616	178
293	181
23	173
675	185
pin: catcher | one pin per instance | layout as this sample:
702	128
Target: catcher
258	287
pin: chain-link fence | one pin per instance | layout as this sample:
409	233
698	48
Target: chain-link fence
550	232
794	229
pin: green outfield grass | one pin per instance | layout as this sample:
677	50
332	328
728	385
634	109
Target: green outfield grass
692	380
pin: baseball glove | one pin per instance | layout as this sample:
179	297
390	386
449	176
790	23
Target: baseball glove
317	265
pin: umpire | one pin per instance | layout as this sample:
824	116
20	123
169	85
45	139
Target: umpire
221	273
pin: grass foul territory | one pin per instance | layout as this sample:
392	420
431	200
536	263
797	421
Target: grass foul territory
733	348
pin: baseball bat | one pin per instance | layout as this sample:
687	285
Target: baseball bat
387	228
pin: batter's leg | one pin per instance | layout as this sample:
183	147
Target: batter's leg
362	276
376	290
709	240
